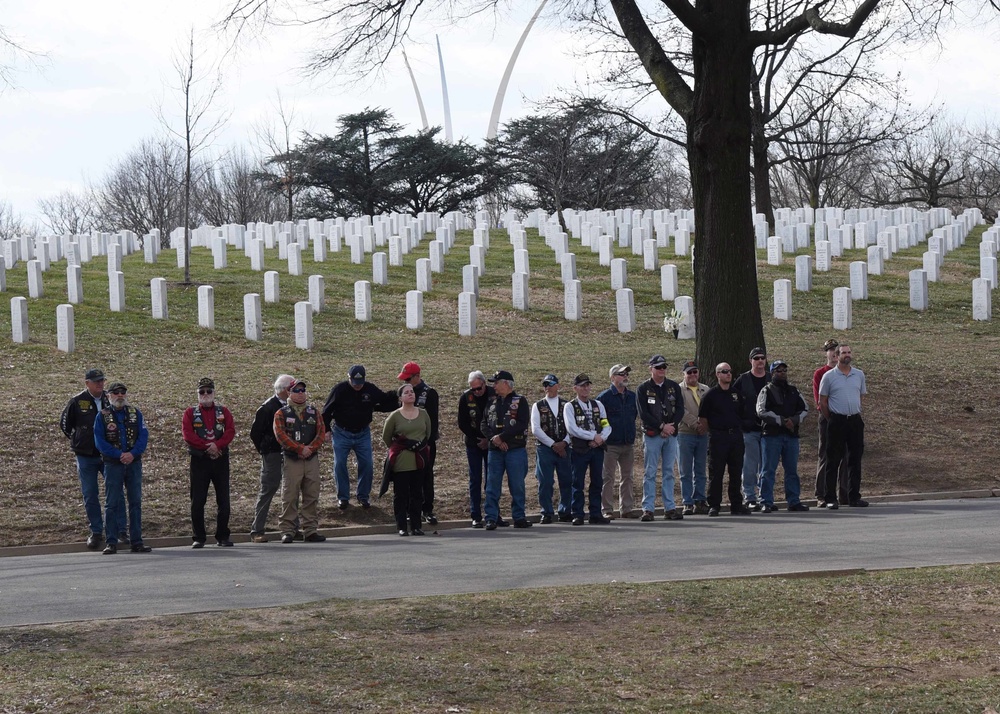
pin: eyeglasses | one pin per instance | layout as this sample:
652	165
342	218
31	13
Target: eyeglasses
206	391
117	391
692	371
659	366
724	371
298	390
759	357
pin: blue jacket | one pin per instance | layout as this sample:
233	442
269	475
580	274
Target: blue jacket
622	412
111	450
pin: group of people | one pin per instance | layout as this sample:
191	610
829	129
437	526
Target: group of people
748	425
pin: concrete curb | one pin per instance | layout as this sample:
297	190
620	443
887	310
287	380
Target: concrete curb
388	528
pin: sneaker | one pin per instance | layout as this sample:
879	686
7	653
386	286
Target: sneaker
417	531
198	544
565	518
403	532
491	525
599	520
832	506
820	503
713	512
766	508
545	519
477	522
224	543
673	515
688	510
577	520
140	548
701	508
606	514
111	549
299	536
647	516
523	523
315	538
287	538
798	507
431	519
753	505
860	503
94	541
258	538
343	503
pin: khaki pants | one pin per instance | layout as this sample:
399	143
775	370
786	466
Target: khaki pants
622	456
297	477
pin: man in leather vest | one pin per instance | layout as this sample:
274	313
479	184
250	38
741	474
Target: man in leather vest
471	410
121	436
505	426
661	408
781	410
262	436
298	427
552	451
588	427
208	429
77	423
427	399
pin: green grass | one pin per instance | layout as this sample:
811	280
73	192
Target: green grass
931	375
898	641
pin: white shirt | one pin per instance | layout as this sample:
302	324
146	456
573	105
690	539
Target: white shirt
536	422
569	415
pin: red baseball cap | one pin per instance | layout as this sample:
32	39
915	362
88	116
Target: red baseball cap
410	370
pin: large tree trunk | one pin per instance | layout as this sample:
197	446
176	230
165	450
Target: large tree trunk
726	299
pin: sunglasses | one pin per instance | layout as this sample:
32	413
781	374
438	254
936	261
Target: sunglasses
759	357
206	391
780	369
298	390
660	366
725	371
117	391
692	371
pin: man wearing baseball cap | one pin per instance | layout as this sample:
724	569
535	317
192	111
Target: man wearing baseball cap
208	429
589	429
505	425
77	423
823	424
619	405
781	410
748	385
552	451
427	399
692	444
661	408
350	407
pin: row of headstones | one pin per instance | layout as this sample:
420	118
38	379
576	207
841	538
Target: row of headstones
624	225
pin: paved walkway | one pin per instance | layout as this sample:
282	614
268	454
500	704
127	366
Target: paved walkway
86	585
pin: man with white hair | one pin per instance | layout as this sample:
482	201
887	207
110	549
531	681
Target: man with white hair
262	436
471	408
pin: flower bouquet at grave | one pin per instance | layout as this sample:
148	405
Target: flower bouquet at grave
672	321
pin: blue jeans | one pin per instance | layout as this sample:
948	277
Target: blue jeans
477	465
548	465
692	458
751	465
89	467
593	459
515	463
117	474
658	451
361	444
786	448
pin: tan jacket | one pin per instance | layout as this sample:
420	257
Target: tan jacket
689	424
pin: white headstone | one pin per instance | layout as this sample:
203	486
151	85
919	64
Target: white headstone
395	251
437	256
982	300
477	257
158	298
823	256
783	299
74	284
859	280
304	325
519	284
114	258
842	309
987	270
803	273
319	249
650	260
683	243
357	251
252	322
470	279
918	290
606	250
256	250
294	259
220	257
19	320
150	250
181	256
317	292
380	269
65	335
931	266
35	287
3	276
116	291
573	300
684	304
271	293
568	268
668	281
774	250
363	301
467	314
625	303
206	306
619	274
874	260
521	264
415	309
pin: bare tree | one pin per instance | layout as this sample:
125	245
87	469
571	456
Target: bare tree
11	222
197	89
233	191
69	212
276	141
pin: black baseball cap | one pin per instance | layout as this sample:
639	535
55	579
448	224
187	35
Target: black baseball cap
689	366
581	379
357	374
501	374
757	351
657	361
94	375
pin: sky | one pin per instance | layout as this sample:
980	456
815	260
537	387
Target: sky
104	77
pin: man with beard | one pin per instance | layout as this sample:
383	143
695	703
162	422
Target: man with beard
208	429
264	440
781	410
298	427
121	437
471	409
